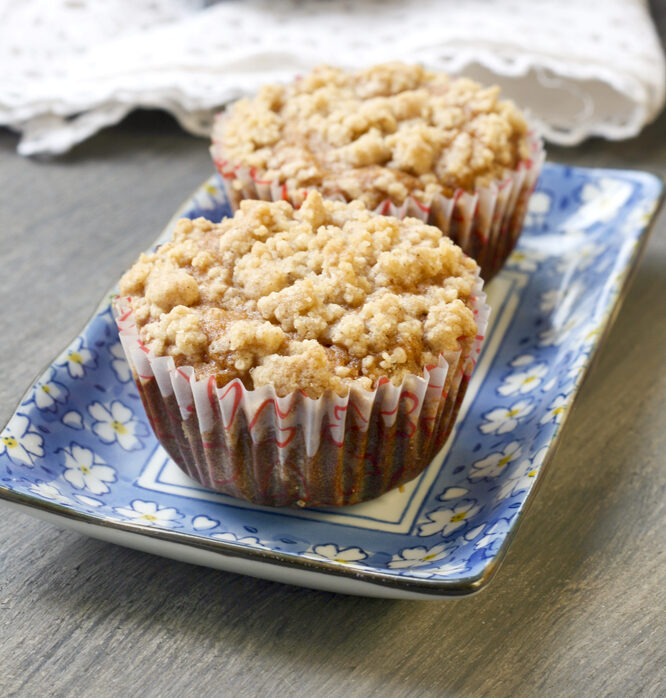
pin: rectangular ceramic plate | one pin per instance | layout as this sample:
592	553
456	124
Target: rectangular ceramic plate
78	451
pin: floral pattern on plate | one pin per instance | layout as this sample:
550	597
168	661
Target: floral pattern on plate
80	440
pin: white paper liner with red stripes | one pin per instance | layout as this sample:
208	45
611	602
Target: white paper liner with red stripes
485	224
269	416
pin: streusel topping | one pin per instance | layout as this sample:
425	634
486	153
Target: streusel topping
318	298
386	132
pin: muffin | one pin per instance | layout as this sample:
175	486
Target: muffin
403	140
302	356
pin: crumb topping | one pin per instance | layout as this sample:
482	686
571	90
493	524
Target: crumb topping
318	298
389	131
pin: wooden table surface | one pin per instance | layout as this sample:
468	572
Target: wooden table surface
577	609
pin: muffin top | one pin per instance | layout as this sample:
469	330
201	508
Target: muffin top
387	132
323	297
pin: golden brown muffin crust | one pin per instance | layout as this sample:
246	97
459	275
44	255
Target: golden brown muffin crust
318	298
386	132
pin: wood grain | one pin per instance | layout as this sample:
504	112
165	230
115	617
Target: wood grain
577	609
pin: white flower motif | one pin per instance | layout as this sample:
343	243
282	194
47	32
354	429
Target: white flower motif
88	501
453	493
48	392
577	365
202	522
119	363
588	254
549	300
522	360
419	556
471	534
538	207
77	358
330	551
447	570
549	385
493	537
208	198
419	572
494	464
639	216
505	419
452	568
115	422
557	335
565	299
523	476
602	200
245	540
21	442
73	420
86	470
446	521
590	335
555	410
526	259
523	382
150	513
49	491
582	258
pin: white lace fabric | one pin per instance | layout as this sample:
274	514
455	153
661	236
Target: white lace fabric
70	67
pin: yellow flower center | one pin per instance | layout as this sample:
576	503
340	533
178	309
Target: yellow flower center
76	357
9	441
558	410
458	517
529	379
432	556
85	469
148	517
46	389
518	256
118	427
211	189
513	412
532	473
339	559
504	461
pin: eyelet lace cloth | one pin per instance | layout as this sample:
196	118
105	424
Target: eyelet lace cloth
70	67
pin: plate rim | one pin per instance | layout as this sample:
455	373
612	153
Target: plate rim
423	587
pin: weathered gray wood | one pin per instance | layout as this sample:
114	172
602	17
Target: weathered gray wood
577	608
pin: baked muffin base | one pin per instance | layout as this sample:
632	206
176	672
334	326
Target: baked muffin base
294	450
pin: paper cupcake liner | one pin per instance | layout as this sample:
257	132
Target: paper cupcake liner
485	224
294	450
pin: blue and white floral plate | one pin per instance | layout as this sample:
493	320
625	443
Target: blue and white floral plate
78	452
